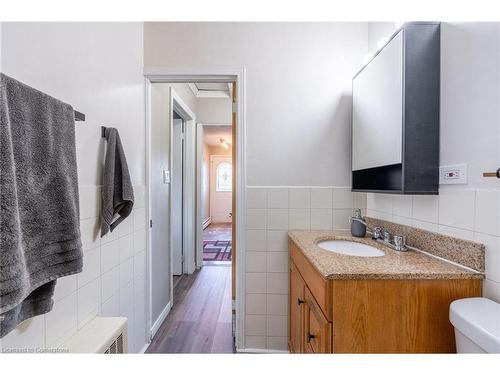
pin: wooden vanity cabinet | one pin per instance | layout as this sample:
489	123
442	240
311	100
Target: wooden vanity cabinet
317	329
370	315
309	329
296	310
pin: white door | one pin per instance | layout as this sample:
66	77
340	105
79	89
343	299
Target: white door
221	188
177	195
160	200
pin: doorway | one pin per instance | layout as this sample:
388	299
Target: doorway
191	253
216	194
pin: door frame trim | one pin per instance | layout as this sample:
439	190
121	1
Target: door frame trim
165	75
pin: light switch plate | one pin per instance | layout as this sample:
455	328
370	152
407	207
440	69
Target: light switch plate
453	174
166	176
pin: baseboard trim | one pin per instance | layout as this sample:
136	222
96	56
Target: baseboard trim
161	319
207	222
261	351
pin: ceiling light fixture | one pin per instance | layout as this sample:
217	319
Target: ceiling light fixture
224	143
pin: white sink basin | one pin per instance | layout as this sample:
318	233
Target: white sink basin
350	248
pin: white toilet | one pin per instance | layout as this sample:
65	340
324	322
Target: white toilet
477	325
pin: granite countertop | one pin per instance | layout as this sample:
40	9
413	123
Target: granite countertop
393	265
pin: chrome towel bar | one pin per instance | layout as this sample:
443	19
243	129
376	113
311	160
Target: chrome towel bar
492	174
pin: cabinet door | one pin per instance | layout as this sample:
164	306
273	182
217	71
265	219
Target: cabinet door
296	306
317	329
377	97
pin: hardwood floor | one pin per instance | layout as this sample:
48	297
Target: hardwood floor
200	320
176	280
219	231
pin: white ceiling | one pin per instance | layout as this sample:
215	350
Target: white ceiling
213	133
212	86
211	89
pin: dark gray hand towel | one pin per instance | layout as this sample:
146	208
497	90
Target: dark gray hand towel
39	212
117	190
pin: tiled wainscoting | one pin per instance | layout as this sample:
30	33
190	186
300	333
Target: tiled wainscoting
112	283
271	212
472	214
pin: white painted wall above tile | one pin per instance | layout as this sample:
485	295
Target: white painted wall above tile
297	129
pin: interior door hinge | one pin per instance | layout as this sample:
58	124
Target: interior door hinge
235	107
151	223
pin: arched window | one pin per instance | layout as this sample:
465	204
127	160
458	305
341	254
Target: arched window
224	177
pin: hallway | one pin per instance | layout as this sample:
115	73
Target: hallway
200	321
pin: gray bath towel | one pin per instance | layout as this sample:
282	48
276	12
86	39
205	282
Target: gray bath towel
39	212
117	190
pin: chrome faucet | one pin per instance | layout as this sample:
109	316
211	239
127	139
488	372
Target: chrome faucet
382	235
387	236
376	233
400	243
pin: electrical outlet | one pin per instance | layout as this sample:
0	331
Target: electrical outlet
453	174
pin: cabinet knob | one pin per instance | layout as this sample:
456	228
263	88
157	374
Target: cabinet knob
299	301
310	336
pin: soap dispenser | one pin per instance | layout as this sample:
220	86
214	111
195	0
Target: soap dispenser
358	226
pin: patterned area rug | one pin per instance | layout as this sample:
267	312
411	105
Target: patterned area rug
214	250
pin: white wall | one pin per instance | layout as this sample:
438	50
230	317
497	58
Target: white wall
214	110
298	89
377	31
470	133
97	68
298	110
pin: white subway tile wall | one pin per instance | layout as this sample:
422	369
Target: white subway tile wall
471	214
112	282
271	212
